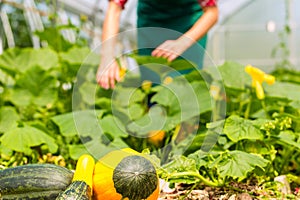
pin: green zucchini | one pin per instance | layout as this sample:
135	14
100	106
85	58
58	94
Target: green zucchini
34	181
77	190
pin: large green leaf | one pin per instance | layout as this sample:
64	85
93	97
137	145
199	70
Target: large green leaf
88	92
21	139
136	111
77	150
127	96
113	126
283	90
20	60
232	74
237	128
8	61
184	99
162	66
80	56
182	64
36	86
96	147
52	35
36	80
155	119
237	164
83	123
142	60
174	103
8	118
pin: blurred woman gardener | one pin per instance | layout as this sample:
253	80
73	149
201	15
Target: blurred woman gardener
178	27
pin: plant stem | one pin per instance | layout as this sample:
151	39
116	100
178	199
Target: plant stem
286	158
263	104
190	190
196	175
247	111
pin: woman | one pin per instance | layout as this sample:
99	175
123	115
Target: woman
192	18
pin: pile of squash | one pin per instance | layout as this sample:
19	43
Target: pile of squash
121	174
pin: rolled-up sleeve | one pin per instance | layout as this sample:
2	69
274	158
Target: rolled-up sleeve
207	3
121	3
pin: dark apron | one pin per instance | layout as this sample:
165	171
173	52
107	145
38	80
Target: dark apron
169	19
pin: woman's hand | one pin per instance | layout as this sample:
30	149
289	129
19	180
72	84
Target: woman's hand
171	49
108	74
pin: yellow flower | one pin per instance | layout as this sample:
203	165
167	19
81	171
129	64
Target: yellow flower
146	85
258	77
168	80
122	67
122	72
215	91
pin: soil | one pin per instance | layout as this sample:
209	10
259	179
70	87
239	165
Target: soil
235	191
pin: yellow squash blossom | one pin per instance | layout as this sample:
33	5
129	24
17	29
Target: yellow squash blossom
258	77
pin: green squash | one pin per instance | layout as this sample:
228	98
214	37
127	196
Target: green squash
77	190
34	181
135	178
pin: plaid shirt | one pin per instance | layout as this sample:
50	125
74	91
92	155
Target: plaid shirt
203	3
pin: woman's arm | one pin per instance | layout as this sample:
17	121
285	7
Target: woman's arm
108	70
203	24
171	49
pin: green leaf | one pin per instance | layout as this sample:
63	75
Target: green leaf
295	104
237	164
136	111
184	99
77	150
20	97
8	118
176	102
126	96
36	80
83	123
142	60
21	139
8	61
178	165
88	92
80	56
52	35
237	128
283	90
162	66
113	126
96	148
5	79
20	60
155	119
228	72
182	64
104	103
35	85
289	138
